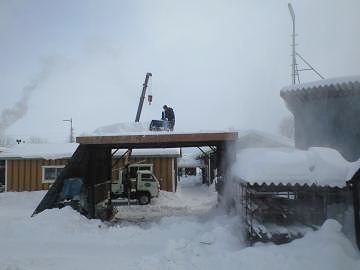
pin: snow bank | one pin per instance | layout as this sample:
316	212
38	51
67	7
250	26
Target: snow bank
63	239
318	165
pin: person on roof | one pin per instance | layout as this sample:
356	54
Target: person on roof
169	115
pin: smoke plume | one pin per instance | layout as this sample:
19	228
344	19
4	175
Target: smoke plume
10	115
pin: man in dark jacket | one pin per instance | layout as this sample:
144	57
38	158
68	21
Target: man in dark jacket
169	115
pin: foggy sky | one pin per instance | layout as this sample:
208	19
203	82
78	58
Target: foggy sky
219	64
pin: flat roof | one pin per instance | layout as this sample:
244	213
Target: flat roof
169	140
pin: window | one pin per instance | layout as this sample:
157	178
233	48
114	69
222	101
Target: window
147	177
136	167
50	173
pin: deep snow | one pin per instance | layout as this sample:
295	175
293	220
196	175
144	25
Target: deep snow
63	239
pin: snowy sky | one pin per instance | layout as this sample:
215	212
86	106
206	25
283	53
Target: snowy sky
219	64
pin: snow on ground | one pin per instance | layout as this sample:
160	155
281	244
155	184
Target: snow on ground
63	239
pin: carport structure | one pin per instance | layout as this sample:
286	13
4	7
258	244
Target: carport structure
92	161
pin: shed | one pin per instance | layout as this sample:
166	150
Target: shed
273	186
30	167
92	161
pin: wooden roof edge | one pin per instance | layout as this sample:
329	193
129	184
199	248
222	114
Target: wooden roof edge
158	138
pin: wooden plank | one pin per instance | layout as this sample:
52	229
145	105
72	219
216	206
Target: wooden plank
143	140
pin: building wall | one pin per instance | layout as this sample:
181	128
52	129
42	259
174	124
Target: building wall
26	174
329	122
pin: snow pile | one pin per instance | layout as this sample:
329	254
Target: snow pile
41	150
123	128
318	165
142	128
63	239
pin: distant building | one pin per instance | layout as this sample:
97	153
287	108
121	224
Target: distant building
327	114
30	167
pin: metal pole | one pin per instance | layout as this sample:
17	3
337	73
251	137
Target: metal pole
142	97
71	129
310	66
293	66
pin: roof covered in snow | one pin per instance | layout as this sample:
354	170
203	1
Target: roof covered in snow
328	87
141	128
41	150
2	149
318	165
66	150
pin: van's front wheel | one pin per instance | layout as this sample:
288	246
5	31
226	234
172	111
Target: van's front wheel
144	198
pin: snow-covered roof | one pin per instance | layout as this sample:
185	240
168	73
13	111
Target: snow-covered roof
140	128
41	150
3	149
189	162
66	150
122	128
318	165
324	83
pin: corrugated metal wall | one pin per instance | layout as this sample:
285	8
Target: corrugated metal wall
26	174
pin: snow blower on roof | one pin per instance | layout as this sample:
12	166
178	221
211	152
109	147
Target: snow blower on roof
167	121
